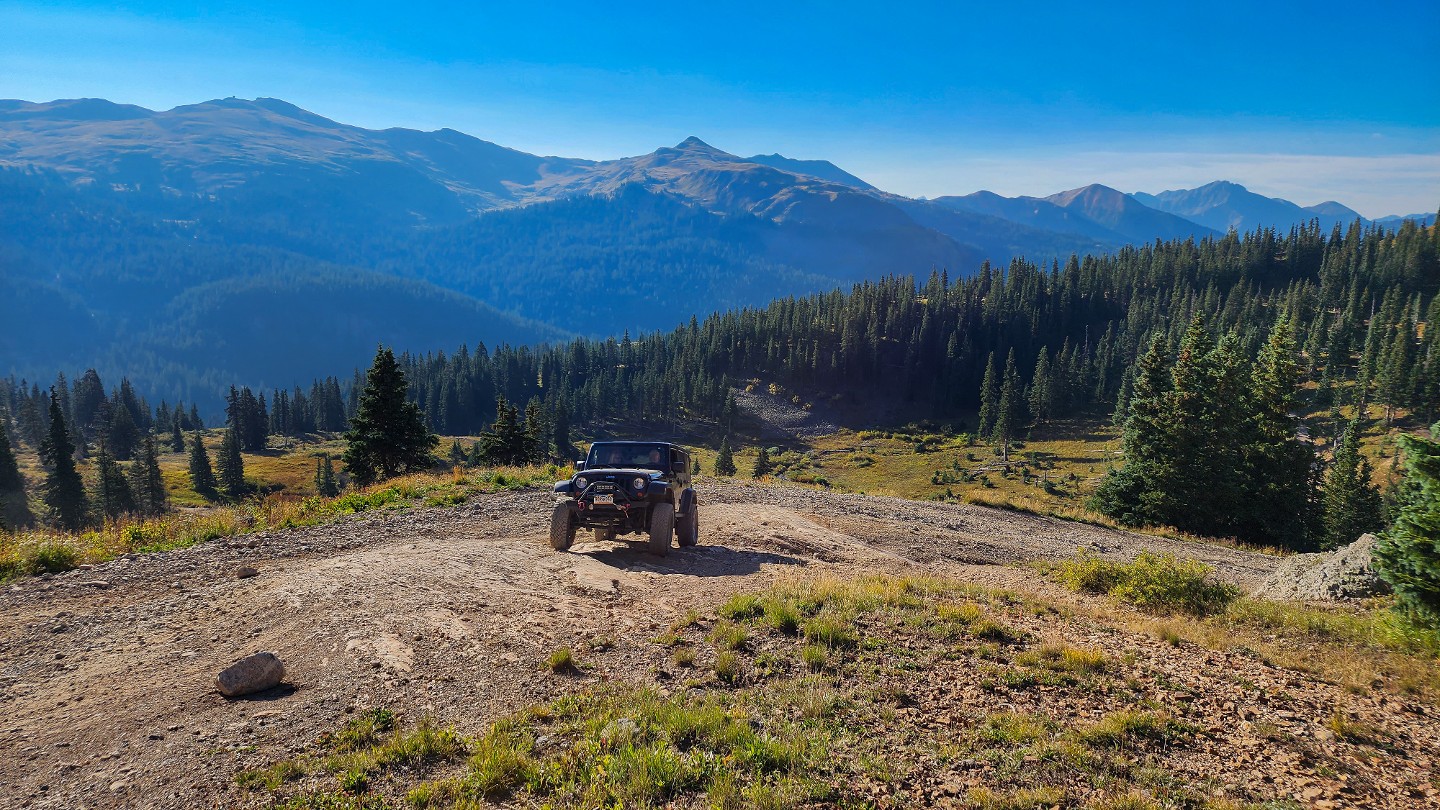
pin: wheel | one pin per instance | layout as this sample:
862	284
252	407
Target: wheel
604	535
687	529
562	527
662	527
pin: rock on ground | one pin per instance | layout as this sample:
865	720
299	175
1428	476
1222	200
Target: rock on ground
253	673
1345	573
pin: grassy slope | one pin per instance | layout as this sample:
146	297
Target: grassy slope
900	692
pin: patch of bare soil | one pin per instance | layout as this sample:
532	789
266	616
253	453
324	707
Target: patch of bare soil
106	695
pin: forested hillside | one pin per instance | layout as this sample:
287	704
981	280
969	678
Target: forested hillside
1357	300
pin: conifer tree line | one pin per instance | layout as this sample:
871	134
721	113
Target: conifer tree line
1018	344
1355	299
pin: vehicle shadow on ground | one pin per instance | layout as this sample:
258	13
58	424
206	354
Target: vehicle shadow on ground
696	561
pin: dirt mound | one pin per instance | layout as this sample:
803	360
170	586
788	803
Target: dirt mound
1345	573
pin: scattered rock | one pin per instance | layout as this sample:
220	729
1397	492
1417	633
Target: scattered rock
245	572
253	673
1345	573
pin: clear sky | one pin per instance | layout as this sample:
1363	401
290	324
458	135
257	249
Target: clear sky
1306	100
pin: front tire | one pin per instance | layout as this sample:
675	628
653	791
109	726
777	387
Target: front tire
562	527
662	528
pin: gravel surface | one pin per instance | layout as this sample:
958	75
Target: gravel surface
107	673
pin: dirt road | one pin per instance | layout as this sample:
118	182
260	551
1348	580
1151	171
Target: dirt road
105	674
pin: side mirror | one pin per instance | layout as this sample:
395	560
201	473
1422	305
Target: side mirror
579	466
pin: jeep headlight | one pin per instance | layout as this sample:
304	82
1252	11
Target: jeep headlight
581	483
639	483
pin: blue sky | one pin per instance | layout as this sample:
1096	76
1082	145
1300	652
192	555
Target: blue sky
1310	101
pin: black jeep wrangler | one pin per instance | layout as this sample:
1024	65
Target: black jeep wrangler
628	488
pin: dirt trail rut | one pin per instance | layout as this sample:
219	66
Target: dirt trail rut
105	674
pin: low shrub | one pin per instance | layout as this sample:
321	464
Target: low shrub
1160	583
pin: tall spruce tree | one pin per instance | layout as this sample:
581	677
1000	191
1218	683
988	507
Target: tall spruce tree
111	494
1010	409
1408	555
762	463
989	398
64	489
1280	504
387	434
508	440
1131	493
202	475
177	438
325	483
725	459
1041	393
231	472
14	511
10	478
1352	501
122	434
147	484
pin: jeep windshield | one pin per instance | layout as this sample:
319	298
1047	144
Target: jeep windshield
628	455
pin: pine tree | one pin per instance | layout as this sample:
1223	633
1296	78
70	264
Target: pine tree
111	495
989	398
537	432
177	438
560	433
232	465
64	490
1041	395
457	453
1131	493
1408	555
762	463
202	475
729	411
122	434
1009	409
325	483
14	511
507	441
1352	502
387	434
1279	504
725	459
146	482
10	478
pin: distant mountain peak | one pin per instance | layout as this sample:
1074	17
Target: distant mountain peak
821	169
693	142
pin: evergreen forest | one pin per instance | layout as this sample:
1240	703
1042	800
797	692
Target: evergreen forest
1232	339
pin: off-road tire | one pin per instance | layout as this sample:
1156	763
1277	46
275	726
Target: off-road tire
687	529
662	528
562	527
604	535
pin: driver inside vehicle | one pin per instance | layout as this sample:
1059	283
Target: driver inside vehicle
655	457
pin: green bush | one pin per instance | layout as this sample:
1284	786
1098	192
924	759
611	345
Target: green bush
1160	583
1408	556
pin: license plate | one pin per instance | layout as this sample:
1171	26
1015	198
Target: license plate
610	499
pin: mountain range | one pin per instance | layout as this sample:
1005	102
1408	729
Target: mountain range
255	242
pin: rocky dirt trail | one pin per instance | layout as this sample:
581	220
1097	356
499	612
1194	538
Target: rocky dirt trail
106	696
